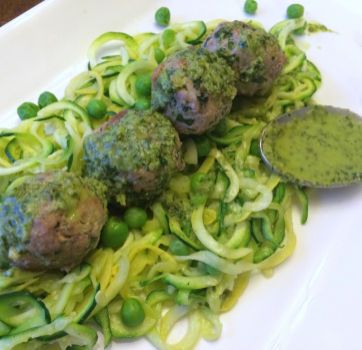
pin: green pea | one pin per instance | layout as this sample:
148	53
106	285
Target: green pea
197	181
295	11
168	36
301	30
114	232
132	313
159	55
203	146
46	98
162	16
211	270
27	110
250	6
142	103
144	85
96	109
111	113
254	148
135	217
178	248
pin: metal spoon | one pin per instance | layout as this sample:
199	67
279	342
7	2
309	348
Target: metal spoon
301	113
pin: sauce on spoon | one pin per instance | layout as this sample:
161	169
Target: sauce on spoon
316	146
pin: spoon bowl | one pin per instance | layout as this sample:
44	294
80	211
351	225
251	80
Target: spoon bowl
278	127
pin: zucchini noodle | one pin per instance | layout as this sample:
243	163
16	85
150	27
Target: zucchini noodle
242	223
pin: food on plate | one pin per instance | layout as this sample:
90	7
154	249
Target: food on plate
144	85
96	109
135	157
142	103
200	217
46	98
295	11
27	110
163	16
254	55
194	88
51	221
132	313
114	233
333	156
250	6
135	217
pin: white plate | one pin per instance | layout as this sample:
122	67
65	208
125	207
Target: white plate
314	299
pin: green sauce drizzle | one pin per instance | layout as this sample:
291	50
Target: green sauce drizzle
322	148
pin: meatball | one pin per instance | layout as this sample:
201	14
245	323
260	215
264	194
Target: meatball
135	156
254	55
51	221
194	88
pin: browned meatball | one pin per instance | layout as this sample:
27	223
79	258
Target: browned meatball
135	154
252	53
51	221
194	88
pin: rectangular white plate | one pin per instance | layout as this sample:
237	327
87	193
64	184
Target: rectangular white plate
314	299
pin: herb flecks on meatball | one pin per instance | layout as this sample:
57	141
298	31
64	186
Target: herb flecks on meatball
254	55
135	156
194	88
52	220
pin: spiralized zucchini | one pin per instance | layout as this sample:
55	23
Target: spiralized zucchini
243	222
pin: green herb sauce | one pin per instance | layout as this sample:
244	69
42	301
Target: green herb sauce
318	27
321	148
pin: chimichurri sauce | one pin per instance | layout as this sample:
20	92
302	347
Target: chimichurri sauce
318	27
322	148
